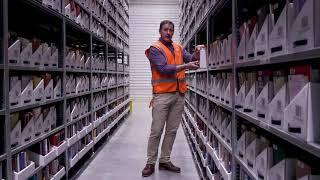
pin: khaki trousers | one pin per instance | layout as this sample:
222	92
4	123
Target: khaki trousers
167	110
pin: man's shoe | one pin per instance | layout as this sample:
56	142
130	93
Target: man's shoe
148	170
169	167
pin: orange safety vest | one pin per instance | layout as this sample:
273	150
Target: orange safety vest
168	83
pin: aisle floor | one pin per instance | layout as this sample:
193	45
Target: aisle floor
124	156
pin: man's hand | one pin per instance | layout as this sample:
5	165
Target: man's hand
196	54
192	65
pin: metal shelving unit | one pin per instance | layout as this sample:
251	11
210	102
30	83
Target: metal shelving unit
116	111
203	30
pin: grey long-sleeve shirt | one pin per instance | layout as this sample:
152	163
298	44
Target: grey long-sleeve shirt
158	60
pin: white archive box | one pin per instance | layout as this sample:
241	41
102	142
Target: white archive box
262	102
252	151
203	58
227	94
229	133
25	173
250	46
284	170
276	108
263	163
61	148
209	173
27	92
278	39
243	142
26	52
57	89
14	53
42	160
73	161
250	100
15	135
38	91
225	174
68	114
27	133
228	49
15	91
310	177
240	97
38	123
301	114
223	51
304	30
59	175
36	57
242	45
48	90
261	44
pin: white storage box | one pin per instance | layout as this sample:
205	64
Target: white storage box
59	174
60	149
42	160
72	140
25	173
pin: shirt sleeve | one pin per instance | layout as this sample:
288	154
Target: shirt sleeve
187	57
158	61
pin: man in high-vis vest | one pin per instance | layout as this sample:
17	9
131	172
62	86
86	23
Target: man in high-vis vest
168	62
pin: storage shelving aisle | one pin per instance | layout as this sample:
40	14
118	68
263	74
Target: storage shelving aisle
65	69
252	109
124	156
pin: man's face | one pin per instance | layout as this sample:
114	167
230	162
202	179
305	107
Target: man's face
166	32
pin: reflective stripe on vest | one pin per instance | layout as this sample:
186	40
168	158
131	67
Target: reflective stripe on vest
167	80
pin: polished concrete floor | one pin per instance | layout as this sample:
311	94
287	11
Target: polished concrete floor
124	156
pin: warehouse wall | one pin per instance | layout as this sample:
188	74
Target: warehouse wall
145	17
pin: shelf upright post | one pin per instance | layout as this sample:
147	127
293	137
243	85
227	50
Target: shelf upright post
234	169
4	54
64	82
91	107
207	83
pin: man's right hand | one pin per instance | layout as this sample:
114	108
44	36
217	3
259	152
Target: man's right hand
192	65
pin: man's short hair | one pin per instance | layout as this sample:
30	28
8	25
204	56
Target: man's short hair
165	22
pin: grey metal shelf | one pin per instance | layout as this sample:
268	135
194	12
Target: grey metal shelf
44	8
220	139
2	112
192	89
192	107
74	70
73	24
95	36
99	20
99	90
219	103
245	168
312	148
78	118
36	140
78	95
3	157
47	69
100	107
12	110
201	93
221	68
299	56
64	26
100	71
83	7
